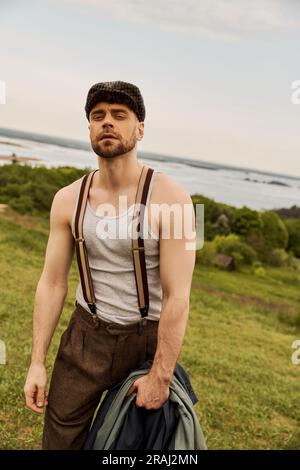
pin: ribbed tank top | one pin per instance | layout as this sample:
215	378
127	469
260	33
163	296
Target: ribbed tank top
112	268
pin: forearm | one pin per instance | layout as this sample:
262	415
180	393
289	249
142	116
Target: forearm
49	302
171	331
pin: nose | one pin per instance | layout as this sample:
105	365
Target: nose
107	128
107	121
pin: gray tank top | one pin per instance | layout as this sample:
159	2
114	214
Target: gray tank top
112	268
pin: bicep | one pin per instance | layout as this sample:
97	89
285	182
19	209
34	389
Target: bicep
177	249
60	246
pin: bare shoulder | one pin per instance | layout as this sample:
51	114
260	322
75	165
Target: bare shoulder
167	195
167	190
63	204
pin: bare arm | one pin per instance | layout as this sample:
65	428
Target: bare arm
177	261
50	295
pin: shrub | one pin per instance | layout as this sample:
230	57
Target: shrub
274	230
246	221
231	245
260	272
22	205
293	228
209	233
257	264
212	209
206	253
238	259
278	257
30	189
217	216
258	243
293	262
221	226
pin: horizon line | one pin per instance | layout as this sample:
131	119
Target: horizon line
85	145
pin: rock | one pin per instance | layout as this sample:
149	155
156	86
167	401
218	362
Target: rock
224	261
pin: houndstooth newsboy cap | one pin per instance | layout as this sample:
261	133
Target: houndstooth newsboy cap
116	92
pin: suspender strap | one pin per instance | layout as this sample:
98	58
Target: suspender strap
138	249
81	252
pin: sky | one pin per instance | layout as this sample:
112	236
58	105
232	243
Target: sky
216	76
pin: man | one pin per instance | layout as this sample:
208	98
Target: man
89	360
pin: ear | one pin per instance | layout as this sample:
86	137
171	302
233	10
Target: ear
141	130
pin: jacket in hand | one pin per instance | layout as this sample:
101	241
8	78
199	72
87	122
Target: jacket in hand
120	425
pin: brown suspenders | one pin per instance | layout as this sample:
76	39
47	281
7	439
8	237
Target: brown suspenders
138	249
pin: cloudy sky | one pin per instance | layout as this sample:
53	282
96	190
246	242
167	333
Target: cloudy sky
216	75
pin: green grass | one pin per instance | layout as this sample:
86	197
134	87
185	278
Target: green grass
237	348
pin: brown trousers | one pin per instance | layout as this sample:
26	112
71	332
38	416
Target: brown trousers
91	358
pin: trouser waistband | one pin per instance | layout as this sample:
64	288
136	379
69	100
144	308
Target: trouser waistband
113	327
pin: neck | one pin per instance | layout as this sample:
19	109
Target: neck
118	173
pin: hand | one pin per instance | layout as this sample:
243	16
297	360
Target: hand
34	388
151	392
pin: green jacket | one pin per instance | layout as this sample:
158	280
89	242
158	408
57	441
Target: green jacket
186	435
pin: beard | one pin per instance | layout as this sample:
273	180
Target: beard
118	147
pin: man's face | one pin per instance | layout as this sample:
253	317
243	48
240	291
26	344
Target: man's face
118	120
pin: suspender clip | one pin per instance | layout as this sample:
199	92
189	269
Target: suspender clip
92	308
144	310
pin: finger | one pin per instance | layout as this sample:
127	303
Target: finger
30	394
138	402
129	391
40	397
30	397
30	403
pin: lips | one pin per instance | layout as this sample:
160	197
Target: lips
108	136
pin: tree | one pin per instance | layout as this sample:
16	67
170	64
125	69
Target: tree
246	221
293	228
274	230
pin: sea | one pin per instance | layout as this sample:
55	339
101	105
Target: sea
237	186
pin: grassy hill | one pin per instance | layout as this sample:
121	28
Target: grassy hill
237	349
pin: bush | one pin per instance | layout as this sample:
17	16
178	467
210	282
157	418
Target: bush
258	243
217	216
209	232
293	262
212	209
274	230
221	226
246	221
231	245
30	190
278	257
206	253
260	272
273	236
22	205
257	264
293	228
238	259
